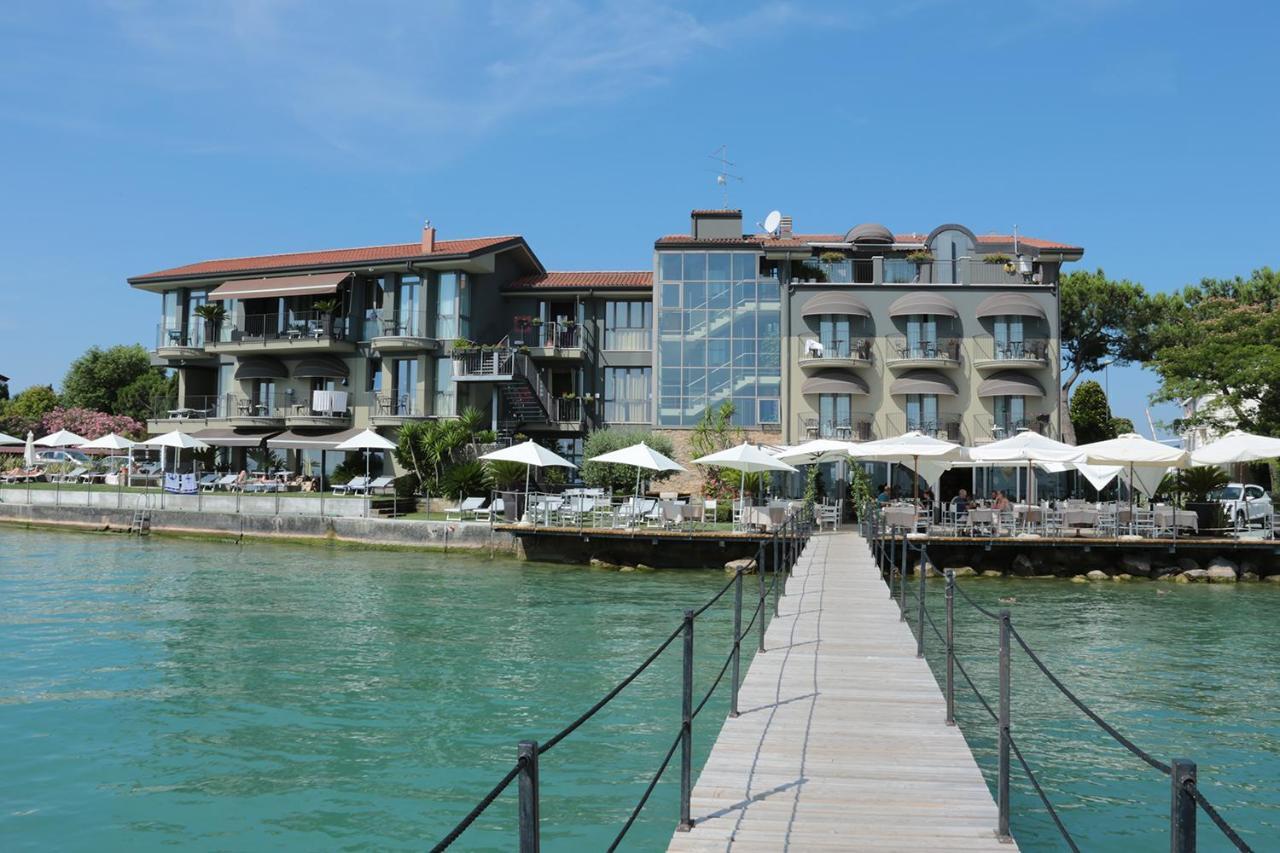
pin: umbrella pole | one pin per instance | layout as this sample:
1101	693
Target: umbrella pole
635	500
915	480
527	469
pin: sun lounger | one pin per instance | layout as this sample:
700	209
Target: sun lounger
205	483
380	484
224	482
355	485
467	509
72	476
493	510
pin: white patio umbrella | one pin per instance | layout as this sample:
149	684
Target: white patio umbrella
29	454
531	455
911	447
366	440
8	439
110	441
1235	447
817	450
1030	447
746	458
178	441
1132	451
642	457
61	438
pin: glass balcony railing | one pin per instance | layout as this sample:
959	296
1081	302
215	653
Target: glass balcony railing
988	348
856	348
291	325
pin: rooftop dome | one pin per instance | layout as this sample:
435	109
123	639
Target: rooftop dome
869	232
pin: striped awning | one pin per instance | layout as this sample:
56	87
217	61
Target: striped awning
311	440
1012	304
232	437
835	303
261	367
1010	383
321	367
934	304
285	285
834	382
923	382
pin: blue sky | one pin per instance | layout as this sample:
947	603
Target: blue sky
137	135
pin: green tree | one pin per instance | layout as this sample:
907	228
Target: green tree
621	479
4	391
1091	414
25	411
1120	426
1103	322
119	380
716	431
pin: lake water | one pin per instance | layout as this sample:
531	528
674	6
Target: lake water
160	693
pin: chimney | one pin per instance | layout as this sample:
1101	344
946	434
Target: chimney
428	238
784	227
716	224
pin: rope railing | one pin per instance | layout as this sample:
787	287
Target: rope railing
1186	795
783	549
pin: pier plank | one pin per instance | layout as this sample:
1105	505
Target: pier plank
841	744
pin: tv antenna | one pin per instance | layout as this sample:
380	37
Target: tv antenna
723	176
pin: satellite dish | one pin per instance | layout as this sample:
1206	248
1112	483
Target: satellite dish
772	221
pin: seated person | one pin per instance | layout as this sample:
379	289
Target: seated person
960	503
999	502
883	497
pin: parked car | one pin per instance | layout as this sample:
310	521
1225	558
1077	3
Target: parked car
1244	505
62	457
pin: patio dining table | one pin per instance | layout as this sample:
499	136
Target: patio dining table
764	518
902	516
1080	517
1182	518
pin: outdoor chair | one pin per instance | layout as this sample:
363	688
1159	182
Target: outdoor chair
712	505
1144	523
206	482
379	484
466	509
1275	526
492	511
351	487
224	482
1106	525
828	514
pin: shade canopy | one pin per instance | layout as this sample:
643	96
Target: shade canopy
110	441
8	439
1237	446
1010	304
934	304
639	456
366	440
923	382
1131	449
835	303
285	285
1010	383
817	450
321	367
176	439
908	447
1026	446
1098	475
61	438
529	453
232	437
747	458
261	367
295	440
834	382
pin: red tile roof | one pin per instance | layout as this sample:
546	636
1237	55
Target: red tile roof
328	257
584	279
1034	242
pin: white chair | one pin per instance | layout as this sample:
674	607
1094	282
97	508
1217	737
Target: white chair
466	509
710	505
492	511
352	486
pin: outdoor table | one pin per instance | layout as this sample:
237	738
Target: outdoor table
1184	518
982	516
1032	514
900	517
1080	517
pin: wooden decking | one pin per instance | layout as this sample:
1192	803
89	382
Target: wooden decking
841	744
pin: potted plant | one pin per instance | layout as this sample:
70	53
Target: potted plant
1197	484
831	257
213	313
327	307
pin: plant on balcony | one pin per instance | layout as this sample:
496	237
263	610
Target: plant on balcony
536	321
810	272
213	313
831	257
920	257
996	259
568	395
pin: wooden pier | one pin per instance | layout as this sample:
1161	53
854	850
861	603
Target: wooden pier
842	742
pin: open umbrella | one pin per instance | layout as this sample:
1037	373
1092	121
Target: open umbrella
746	458
817	450
1235	447
110	441
178	441
366	440
642	457
8	439
911	446
531	455
1030	447
61	438
1132	451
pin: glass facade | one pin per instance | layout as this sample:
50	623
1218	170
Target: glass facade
719	338
626	395
445	402
453	307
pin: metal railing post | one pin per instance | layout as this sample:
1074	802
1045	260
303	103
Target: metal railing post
920	569
760	597
951	648
1002	781
777	549
737	643
902	581
776	575
527	754
1182	808
686	729
893	553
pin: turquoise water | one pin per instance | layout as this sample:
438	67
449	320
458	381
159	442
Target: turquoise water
1186	671
167	693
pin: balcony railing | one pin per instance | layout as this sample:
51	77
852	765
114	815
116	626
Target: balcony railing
547	336
1027	349
990	428
628	340
942	350
176	336
627	411
857	348
292	325
394	324
949	427
842	429
569	410
397	406
190	407
484	362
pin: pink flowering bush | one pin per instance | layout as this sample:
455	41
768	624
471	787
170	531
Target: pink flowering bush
91	424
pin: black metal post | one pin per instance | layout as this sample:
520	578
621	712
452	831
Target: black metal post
777	550
920	569
527	753
777	586
686	729
1002	781
902	581
760	596
893	553
1182	811
951	648
737	643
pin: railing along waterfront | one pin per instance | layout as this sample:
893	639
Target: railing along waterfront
891	558
779	553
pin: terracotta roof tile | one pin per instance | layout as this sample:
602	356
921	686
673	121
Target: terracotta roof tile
1034	242
584	279
327	257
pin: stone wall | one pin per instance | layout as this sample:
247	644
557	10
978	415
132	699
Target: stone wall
690	482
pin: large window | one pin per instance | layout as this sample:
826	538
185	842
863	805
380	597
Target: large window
628	326
195	323
453	307
404	385
1010	342
171	317
922	336
408	319
719	338
952	251
834	331
835	415
627	391
446	401
1010	414
922	412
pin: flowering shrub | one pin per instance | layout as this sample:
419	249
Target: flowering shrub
91	424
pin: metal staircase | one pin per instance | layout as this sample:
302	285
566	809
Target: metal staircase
526	399
141	523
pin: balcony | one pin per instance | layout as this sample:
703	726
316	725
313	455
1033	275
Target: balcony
484	363
568	415
395	409
854	353
942	352
948	427
326	409
178	344
191	412
247	412
1029	354
393	332
550	341
842	429
989	428
293	331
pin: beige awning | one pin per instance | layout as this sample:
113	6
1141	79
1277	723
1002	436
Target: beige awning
923	382
287	285
303	440
835	303
834	382
1010	383
261	367
934	304
1013	304
232	437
